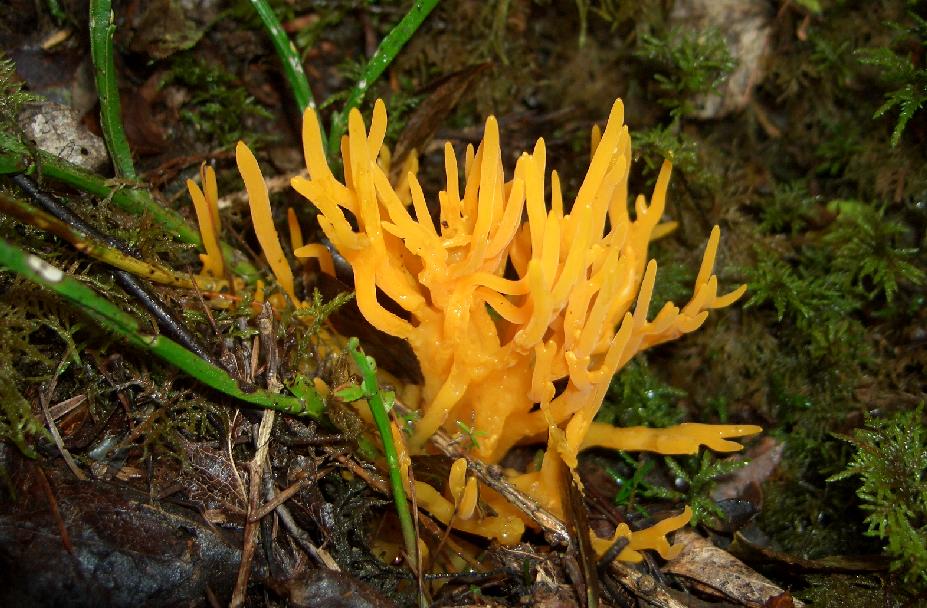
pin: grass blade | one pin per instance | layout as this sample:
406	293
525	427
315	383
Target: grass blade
102	28
115	320
371	392
377	64
289	57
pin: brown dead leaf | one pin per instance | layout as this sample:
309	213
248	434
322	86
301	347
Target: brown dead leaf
719	573
764	458
210	478
432	112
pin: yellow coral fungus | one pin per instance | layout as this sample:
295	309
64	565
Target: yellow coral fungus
262	218
206	205
505	526
465	493
499	309
653	538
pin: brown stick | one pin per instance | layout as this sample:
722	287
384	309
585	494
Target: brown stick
280	498
250	538
555	531
53	505
255	473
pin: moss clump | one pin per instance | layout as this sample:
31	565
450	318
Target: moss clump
638	397
17	424
686	63
899	69
218	107
891	463
843	591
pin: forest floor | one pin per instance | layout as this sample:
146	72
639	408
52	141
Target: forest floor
794	125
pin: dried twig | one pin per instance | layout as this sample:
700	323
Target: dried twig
44	396
256	472
240	485
280	498
319	555
269	346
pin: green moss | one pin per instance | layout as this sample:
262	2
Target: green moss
874	252
174	416
318	310
218	107
12	97
789	209
813	305
845	591
637	397
652	146
17	424
901	71
891	463
34	333
686	63
693	479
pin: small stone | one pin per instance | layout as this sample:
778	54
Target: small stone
57	129
746	26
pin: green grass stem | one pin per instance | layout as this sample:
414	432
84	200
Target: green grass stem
29	215
121	323
382	58
102	28
16	158
371	392
289	56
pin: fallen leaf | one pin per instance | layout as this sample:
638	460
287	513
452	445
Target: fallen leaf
719	573
764	458
432	112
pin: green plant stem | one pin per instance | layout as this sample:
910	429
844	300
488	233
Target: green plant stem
133	200
104	71
16	158
367	367
115	320
382	58
289	56
29	215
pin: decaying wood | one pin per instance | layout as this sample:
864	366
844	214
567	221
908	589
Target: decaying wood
105	543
